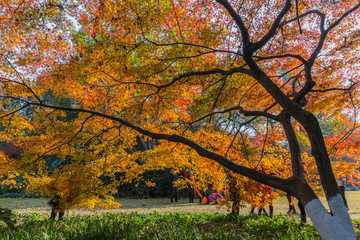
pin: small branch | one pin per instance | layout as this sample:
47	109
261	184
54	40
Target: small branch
264	40
342	17
220	91
192	45
297	15
13	112
334	89
239	22
282	56
21	78
317	12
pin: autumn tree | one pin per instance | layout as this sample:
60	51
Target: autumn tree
203	77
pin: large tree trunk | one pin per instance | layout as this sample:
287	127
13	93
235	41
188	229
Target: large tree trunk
336	224
331	226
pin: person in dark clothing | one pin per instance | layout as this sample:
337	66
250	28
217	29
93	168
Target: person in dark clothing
292	209
174	191
54	202
190	189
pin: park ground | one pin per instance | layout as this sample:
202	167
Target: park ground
161	205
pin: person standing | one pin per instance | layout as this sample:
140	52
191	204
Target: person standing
174	191
55	203
292	209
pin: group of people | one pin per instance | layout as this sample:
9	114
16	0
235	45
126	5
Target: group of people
262	210
266	193
266	197
216	198
191	189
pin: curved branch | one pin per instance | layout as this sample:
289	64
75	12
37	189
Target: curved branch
239	22
282	184
342	17
191	74
13	112
282	56
20	76
241	110
335	89
309	82
324	32
317	12
265	39
204	73
192	45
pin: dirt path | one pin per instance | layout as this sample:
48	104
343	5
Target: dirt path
162	205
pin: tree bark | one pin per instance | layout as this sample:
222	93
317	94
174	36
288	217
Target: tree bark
334	226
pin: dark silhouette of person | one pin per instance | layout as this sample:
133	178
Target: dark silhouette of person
174	191
54	202
292	209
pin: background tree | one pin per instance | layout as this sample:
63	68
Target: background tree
162	68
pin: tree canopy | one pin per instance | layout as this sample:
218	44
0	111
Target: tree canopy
234	85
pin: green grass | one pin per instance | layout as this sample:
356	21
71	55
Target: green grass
165	222
159	226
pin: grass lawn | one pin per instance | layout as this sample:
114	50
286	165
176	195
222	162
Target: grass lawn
161	205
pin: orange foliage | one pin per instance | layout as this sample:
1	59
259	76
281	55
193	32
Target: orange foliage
144	62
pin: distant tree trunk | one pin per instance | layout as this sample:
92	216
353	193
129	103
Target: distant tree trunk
342	192
234	195
302	212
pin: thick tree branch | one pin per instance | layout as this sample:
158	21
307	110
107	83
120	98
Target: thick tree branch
204	73
279	183
297	15
342	17
240	110
295	152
